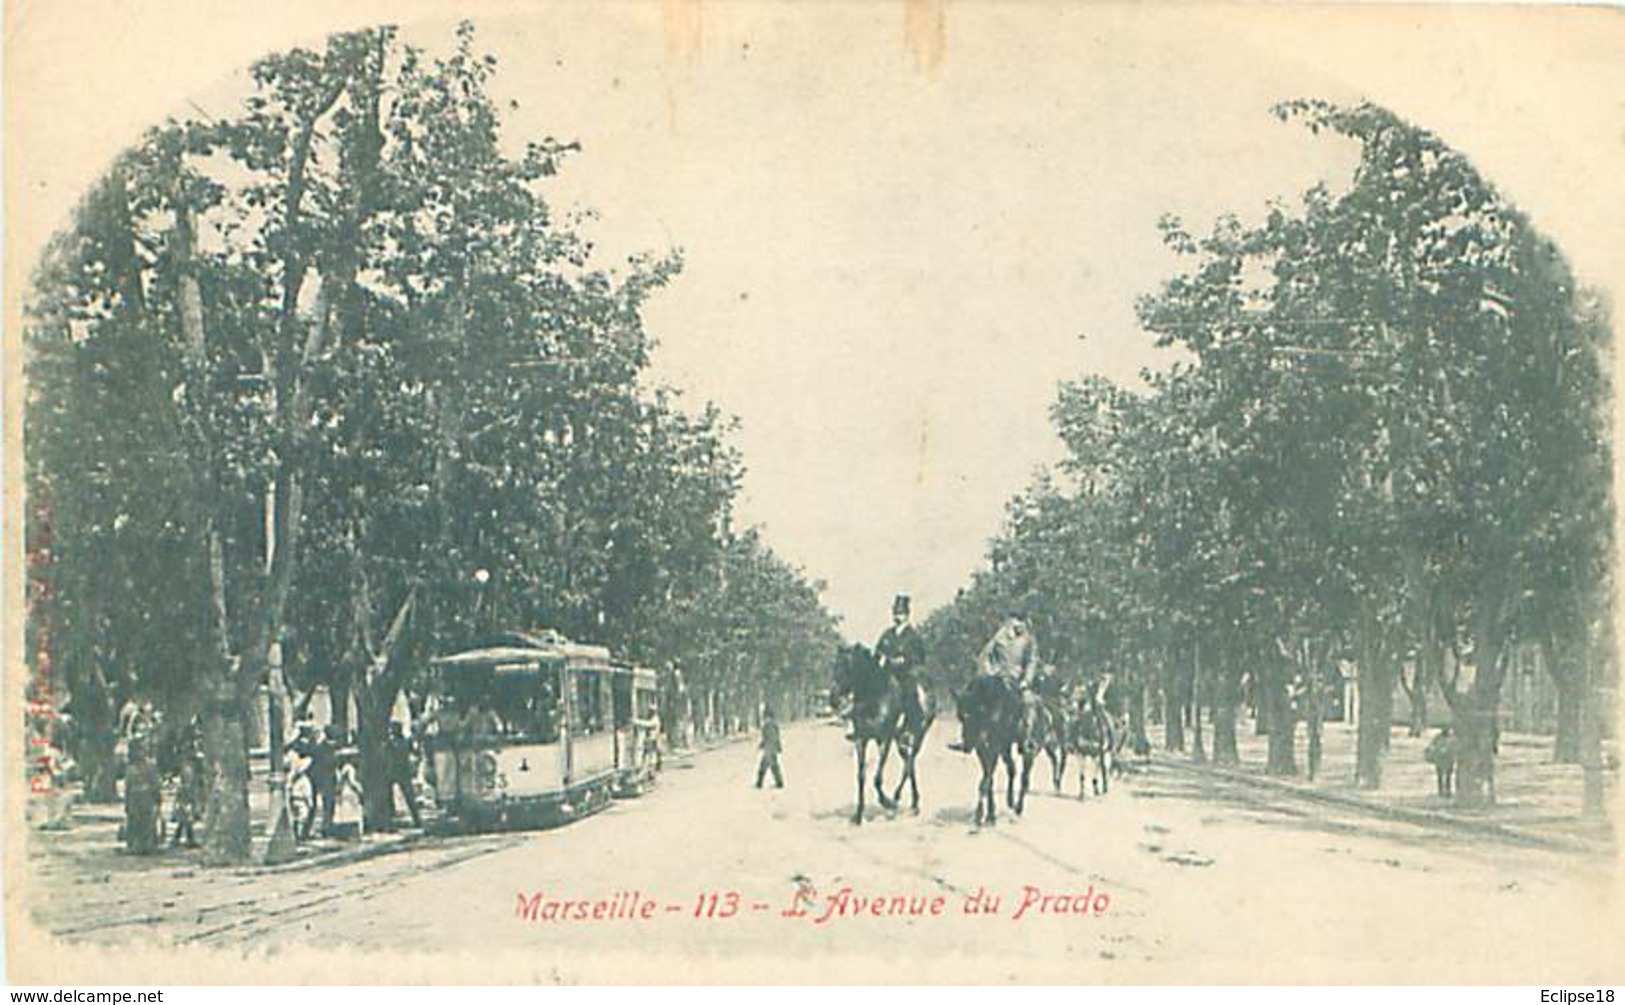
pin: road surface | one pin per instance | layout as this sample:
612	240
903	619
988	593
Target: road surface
1171	877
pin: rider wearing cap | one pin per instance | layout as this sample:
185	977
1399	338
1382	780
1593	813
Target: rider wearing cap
1011	656
1011	653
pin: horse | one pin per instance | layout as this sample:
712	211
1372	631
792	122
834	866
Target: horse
1093	738
877	716
1051	724
992	714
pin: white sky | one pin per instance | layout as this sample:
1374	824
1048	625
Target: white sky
889	264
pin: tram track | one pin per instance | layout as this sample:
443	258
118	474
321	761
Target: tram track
265	922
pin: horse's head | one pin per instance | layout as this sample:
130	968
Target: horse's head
855	666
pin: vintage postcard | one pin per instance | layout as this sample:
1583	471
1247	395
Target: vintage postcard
699	492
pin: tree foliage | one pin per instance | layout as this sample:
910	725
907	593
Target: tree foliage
330	376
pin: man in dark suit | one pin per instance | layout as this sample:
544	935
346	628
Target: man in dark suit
771	746
901	651
321	753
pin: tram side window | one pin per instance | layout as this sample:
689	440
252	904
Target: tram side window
621	690
589	706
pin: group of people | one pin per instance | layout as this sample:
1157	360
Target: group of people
324	787
149	759
1010	656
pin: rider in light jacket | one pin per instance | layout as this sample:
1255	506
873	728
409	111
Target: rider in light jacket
1011	655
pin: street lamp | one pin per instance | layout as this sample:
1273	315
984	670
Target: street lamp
482	576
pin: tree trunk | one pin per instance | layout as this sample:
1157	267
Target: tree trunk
377	795
1592	805
1136	709
1224	720
227	838
1276	702
1375	717
95	734
1475	751
1477	717
1173	718
339	693
1261	711
1314	691
1566	677
1566	749
97	763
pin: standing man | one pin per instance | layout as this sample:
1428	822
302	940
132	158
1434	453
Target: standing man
402	752
319	753
771	746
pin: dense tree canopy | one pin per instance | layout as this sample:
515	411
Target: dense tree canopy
329	377
1386	444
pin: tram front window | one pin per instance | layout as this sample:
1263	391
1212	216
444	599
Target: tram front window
528	707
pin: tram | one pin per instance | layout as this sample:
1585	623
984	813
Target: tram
533	730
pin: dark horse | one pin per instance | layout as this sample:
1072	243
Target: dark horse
885	713
1051	725
1093	738
996	723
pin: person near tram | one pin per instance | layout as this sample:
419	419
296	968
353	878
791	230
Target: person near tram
349	808
318	754
402	758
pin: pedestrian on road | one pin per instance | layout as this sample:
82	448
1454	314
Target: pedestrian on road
143	824
402	773
317	749
1441	753
349	807
191	790
771	746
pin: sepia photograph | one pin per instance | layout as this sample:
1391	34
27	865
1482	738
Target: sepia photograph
698	492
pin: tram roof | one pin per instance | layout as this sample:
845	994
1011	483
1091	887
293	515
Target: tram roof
518	651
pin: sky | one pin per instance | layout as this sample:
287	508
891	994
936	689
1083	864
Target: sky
903	226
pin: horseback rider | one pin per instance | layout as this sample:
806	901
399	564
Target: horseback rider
901	651
1010	657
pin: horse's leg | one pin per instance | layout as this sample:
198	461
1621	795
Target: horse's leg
1008	757
982	789
913	777
989	769
1029	757
904	748
880	776
863	747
